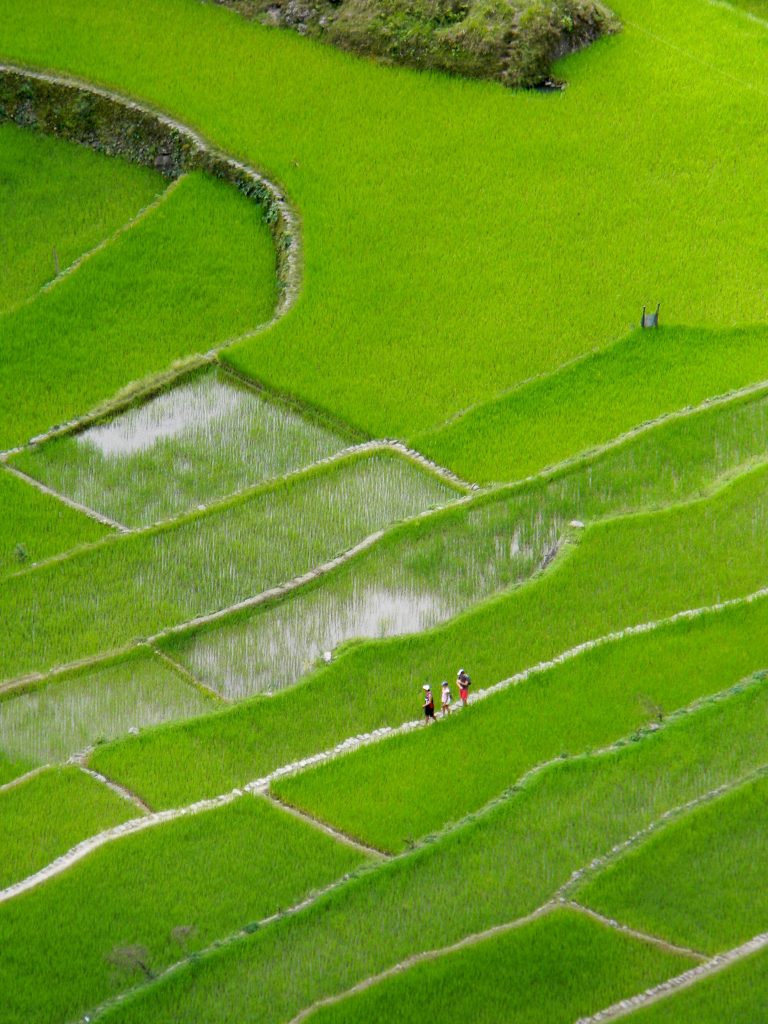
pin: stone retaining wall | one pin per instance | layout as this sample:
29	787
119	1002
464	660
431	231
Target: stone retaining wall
117	126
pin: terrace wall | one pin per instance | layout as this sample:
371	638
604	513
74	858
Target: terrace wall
117	126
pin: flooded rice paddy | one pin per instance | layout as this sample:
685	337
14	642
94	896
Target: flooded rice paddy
440	568
199	441
62	718
137	585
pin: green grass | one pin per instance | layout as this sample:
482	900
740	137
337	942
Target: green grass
197	270
202	440
50	813
57	194
579	705
134	585
552	971
54	721
619	573
758	8
458	240
11	767
699	881
425	572
648	374
216	872
736	995
34	526
499	867
443	289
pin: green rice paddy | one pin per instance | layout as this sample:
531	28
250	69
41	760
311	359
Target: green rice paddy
473	263
49	813
35	526
581	704
601	584
644	376
430	570
553	970
450	272
58	196
198	269
12	768
170	889
517	855
688	881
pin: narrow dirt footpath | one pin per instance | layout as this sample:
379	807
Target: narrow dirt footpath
419	958
682	981
340	837
653	940
69	502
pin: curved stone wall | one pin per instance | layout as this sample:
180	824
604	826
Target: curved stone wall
117	126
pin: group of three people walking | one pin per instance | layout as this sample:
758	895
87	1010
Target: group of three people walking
446	697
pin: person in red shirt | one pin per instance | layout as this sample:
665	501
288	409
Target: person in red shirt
464	684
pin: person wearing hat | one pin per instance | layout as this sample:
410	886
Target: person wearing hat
445	698
464	684
429	704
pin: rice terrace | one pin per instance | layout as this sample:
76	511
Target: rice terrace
384	534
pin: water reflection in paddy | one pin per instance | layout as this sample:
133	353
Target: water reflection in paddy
202	440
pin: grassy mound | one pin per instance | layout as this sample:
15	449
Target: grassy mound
512	41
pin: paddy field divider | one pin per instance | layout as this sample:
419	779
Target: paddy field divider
634	933
334	833
551	906
258	788
110	122
21	779
69	502
557	901
637	838
738	12
188	677
83	258
715	964
478	496
425	957
115	787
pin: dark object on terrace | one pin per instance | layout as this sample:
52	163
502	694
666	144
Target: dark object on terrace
650	319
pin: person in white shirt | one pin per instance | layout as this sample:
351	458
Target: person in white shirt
446	699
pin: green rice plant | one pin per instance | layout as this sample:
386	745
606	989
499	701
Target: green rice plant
34	526
646	375
59	200
515	233
171	890
202	440
498	867
11	768
427	571
756	8
698	881
48	814
552	971
736	995
197	270
616	574
57	719
581	704
132	586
